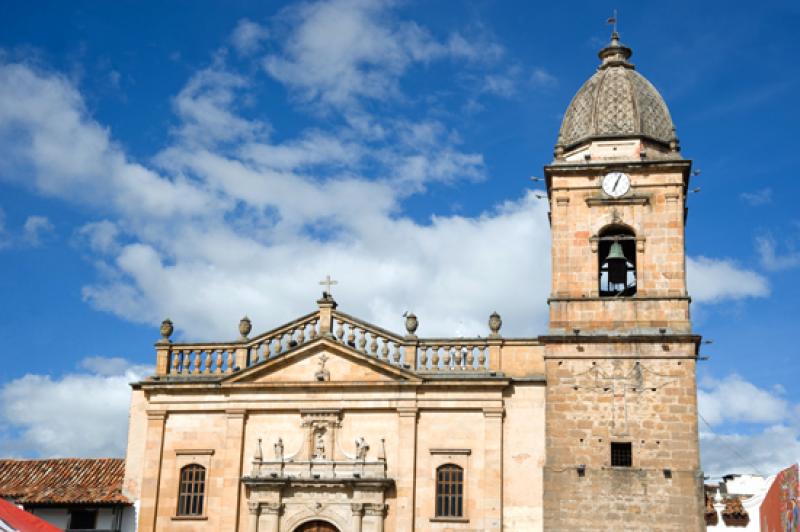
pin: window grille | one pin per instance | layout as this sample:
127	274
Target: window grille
192	490
621	454
449	491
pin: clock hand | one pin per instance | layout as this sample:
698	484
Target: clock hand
614	188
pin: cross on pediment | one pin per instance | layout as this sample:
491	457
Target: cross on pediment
328	283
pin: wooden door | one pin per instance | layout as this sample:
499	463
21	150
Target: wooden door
317	526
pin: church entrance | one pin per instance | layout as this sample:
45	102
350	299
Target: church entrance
316	526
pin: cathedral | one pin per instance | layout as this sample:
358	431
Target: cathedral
330	423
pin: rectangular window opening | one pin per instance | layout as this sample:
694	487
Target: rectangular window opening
621	454
82	519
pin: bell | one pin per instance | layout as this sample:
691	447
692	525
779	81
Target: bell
617	265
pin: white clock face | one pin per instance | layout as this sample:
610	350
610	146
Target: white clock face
616	184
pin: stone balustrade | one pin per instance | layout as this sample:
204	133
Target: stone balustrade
201	359
319	469
427	355
453	354
287	337
369	339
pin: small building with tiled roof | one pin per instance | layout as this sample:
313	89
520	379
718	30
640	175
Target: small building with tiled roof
70	493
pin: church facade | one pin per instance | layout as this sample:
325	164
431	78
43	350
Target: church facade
331	423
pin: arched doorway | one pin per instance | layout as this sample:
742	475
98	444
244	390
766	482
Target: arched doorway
316	526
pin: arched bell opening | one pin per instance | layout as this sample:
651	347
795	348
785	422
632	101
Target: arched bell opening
616	253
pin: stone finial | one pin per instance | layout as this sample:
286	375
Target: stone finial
411	323
245	326
166	331
495	322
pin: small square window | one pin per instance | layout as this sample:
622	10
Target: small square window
621	454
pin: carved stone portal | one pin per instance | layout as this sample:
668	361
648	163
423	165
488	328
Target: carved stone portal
319	482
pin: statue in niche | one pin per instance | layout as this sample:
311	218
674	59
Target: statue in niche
278	450
361	448
319	444
322	374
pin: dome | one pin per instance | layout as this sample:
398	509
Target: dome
616	101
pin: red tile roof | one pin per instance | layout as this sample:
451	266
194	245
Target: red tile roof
22	520
63	481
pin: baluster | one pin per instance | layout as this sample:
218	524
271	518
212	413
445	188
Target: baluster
446	357
229	364
187	361
301	334
385	352
362	340
206	362
176	361
482	357
198	358
313	332
459	357
470	357
340	331
218	368
434	358
373	344
290	343
351	335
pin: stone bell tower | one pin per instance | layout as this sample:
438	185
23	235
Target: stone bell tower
621	411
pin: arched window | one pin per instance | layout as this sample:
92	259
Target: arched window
449	491
192	490
616	253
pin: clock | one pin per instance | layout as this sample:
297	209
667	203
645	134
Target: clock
616	184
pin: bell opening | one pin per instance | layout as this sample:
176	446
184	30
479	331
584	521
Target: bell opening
617	262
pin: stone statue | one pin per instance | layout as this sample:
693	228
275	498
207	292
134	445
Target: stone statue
279	449
361	448
319	445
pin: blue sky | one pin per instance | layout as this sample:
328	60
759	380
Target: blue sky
202	161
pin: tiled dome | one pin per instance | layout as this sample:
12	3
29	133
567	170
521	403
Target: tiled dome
616	101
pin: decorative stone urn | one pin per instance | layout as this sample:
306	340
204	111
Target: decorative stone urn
245	326
166	330
411	323
495	322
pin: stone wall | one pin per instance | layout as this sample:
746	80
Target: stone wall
641	393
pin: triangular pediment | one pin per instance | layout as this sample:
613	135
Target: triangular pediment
323	361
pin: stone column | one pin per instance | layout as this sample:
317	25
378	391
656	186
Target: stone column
151	470
406	468
254	509
378	511
493	468
270	520
358	513
232	469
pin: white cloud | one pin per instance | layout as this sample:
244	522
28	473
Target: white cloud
765	436
79	414
36	229
772	260
714	280
541	78
734	399
757	197
100	237
340	50
765	452
248	36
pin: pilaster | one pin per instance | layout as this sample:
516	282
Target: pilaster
492	480
151	475
232	469
406	467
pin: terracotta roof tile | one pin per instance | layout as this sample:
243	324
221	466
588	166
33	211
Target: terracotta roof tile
63	481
